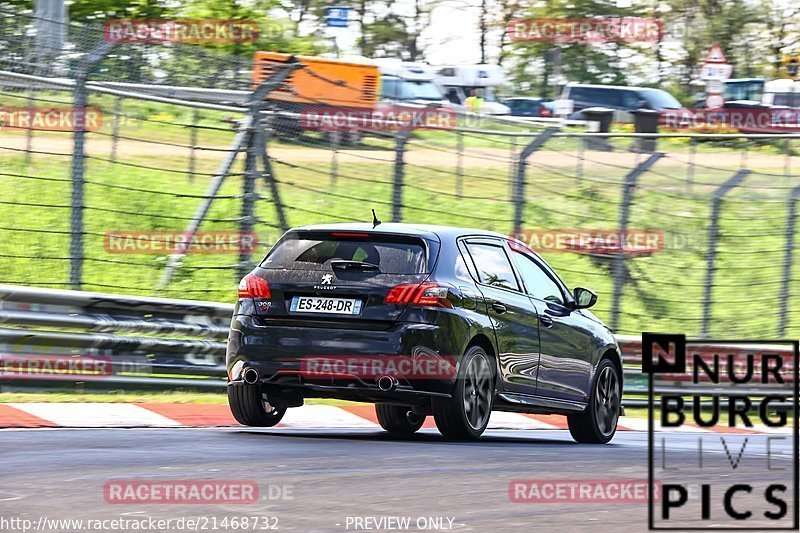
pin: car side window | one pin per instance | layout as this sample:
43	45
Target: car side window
389	87
493	265
537	283
612	97
462	271
576	93
630	99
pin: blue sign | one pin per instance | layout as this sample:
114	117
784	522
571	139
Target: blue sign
336	17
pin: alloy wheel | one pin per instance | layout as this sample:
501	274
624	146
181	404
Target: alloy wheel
607	401
477	392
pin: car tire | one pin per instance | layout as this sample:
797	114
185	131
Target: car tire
398	419
598	423
250	406
465	415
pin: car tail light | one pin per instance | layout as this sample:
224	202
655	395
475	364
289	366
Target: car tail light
544	112
427	294
253	286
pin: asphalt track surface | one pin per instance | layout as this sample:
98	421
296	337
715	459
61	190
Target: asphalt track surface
333	475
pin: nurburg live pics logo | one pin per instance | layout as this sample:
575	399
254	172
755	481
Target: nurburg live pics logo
743	475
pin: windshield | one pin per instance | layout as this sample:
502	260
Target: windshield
419	90
744	90
659	99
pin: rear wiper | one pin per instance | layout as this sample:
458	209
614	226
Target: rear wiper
345	264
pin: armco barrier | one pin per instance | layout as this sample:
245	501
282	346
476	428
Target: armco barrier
61	338
147	342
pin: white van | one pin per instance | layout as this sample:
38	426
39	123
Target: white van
458	81
408	83
781	93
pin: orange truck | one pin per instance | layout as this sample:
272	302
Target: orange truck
320	84
326	82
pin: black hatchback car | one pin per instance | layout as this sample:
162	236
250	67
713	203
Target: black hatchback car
420	320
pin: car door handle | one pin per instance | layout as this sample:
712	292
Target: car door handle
546	321
499	308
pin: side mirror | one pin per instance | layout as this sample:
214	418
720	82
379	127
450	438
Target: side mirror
584	298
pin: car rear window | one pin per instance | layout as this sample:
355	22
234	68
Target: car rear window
315	251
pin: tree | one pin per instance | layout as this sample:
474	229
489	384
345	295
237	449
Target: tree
393	32
552	63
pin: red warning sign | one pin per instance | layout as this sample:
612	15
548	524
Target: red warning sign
715	55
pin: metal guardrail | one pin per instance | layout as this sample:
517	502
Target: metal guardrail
146	342
125	340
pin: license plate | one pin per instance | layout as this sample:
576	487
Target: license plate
315	304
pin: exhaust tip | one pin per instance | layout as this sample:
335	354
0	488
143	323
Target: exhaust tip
250	376
387	383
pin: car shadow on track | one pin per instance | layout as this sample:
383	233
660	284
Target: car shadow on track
491	438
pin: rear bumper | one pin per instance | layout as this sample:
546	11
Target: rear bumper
282	356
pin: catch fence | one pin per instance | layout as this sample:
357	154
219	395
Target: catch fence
181	142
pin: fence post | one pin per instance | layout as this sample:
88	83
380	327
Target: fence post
787	159
204	207
257	102
269	175
399	174
76	218
193	143
29	133
618	268
115	128
787	263
459	164
80	100
690	164
334	138
518	184
713	237
247	221
512	168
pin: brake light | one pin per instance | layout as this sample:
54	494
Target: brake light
427	294
349	234
253	286
544	112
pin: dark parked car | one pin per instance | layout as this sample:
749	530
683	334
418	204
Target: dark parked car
420	320
623	100
525	106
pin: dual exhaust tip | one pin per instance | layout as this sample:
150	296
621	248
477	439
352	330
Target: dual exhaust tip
385	383
250	376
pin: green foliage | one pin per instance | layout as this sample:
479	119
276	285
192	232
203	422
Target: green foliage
277	33
539	66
